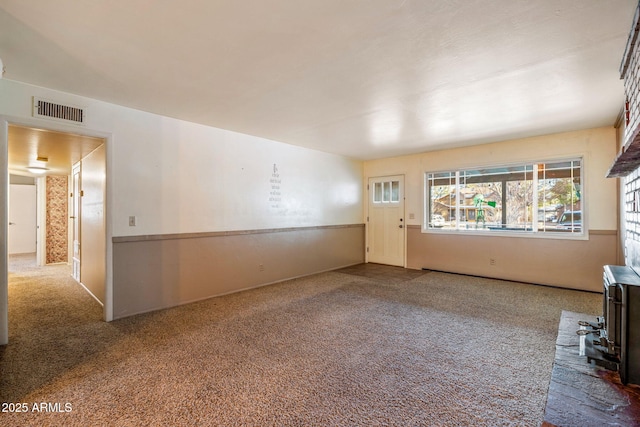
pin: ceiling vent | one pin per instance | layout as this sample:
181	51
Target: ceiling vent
50	110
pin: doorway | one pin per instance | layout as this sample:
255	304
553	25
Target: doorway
385	222
55	151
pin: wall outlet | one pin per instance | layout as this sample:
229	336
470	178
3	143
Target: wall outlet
492	261
132	221
261	267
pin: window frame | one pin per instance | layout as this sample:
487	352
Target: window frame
535	231
385	192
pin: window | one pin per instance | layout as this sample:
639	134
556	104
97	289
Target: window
533	198
386	192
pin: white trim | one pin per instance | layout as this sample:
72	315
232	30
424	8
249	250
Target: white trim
534	212
41	206
91	293
4	223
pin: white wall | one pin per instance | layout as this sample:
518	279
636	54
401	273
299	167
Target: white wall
180	177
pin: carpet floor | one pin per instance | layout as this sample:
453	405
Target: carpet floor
348	347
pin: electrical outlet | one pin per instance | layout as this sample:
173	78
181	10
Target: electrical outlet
492	261
261	267
132	221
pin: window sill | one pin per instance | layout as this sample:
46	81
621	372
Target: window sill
562	235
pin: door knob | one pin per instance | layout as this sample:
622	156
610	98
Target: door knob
400	226
12	223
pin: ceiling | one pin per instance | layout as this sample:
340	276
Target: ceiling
54	151
361	78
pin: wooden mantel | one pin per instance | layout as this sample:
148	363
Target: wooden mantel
629	159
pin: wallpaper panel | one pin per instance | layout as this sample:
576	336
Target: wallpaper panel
57	219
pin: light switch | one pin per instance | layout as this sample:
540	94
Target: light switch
132	221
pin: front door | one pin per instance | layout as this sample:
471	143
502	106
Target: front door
385	225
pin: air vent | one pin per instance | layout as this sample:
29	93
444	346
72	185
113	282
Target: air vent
50	110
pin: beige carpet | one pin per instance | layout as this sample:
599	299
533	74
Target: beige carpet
334	349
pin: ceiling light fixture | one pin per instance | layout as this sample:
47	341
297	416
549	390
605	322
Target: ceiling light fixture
37	170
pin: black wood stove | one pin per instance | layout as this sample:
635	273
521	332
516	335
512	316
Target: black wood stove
616	335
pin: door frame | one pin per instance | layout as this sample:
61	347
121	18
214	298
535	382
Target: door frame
403	207
5	121
76	213
41	206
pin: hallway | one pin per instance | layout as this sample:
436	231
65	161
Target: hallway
49	289
47	307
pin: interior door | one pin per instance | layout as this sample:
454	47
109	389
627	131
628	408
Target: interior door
92	223
22	219
75	221
385	222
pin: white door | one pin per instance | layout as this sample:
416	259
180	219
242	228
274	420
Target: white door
75	218
22	219
386	227
92	223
